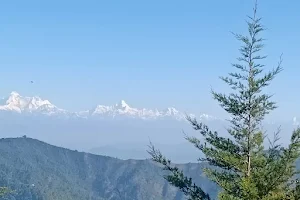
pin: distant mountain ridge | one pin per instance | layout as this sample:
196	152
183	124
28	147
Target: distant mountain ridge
16	103
38	171
36	105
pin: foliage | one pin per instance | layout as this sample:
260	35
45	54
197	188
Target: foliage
4	191
241	165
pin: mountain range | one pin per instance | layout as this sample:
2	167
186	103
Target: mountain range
35	170
118	130
36	105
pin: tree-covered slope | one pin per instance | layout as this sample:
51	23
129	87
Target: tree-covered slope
36	170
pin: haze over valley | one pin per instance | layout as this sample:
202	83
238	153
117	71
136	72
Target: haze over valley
118	130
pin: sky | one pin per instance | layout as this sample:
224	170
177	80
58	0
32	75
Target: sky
152	54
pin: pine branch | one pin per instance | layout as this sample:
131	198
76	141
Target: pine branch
177	177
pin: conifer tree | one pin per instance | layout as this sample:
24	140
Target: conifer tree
242	167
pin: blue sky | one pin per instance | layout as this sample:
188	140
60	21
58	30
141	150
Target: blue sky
150	53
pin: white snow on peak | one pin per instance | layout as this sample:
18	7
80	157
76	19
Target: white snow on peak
16	102
206	116
171	111
123	105
14	93
123	109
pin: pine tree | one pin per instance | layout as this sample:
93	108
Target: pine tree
242	167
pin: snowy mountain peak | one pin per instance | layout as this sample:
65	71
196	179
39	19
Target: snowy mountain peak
16	102
123	105
21	104
171	110
14	93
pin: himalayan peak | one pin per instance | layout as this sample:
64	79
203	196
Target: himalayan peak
22	104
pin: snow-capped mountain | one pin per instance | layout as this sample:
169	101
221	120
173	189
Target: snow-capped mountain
123	109
22	104
17	103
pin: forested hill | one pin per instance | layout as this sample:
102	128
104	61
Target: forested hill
37	171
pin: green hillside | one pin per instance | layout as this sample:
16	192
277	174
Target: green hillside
36	170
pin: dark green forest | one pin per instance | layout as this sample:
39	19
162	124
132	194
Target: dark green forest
34	170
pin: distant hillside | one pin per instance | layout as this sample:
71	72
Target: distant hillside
37	171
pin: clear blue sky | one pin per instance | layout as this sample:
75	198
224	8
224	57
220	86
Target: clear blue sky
150	53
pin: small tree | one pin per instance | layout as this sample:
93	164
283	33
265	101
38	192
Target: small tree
243	168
